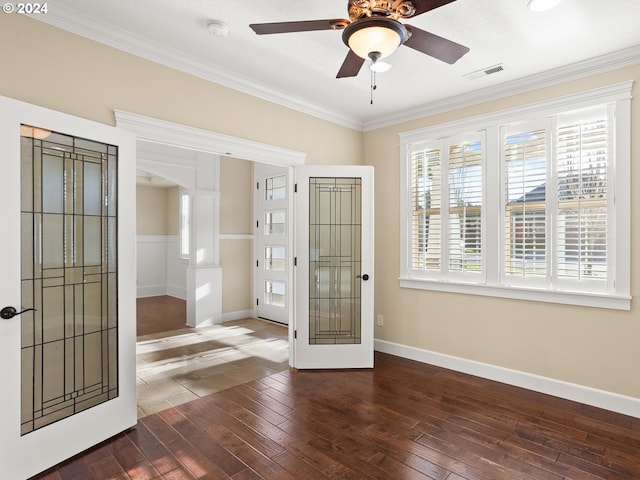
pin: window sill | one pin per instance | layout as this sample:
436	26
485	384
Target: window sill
615	302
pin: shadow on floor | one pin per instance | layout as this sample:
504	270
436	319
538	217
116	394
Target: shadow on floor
182	365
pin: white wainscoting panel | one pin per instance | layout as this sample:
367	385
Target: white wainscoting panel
176	277
160	270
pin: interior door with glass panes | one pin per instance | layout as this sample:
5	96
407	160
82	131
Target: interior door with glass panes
67	289
272	242
334	273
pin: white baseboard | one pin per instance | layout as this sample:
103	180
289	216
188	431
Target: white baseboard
237	315
151	291
178	292
570	391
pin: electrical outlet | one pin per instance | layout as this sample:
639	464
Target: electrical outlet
380	320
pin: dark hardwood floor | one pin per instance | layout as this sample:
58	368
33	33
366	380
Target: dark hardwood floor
400	420
159	314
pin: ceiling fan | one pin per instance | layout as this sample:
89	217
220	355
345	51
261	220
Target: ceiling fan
374	31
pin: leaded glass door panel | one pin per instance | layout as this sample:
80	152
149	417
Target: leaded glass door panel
69	275
68	367
334	277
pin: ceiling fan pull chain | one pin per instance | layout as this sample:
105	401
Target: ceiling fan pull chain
373	84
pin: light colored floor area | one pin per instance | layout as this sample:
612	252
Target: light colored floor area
182	365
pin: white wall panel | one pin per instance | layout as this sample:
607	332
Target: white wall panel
151	265
176	268
160	270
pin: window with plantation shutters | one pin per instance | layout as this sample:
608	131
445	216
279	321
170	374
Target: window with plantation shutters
446	205
525	161
556	209
582	172
531	203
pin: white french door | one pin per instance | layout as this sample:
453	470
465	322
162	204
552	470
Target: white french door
272	289
67	368
334	273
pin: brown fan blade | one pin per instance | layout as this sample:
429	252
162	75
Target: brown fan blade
423	6
435	46
304	26
351	65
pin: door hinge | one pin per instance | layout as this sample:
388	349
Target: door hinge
295	334
257	185
295	188
295	261
257	263
257	301
257	223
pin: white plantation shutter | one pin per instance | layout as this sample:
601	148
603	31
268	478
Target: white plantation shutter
465	207
525	210
582	166
426	198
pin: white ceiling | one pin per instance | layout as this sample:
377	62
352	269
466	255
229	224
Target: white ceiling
574	39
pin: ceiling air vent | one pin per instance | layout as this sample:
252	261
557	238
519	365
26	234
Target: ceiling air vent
484	72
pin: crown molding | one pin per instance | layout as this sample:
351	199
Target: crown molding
576	71
72	21
583	99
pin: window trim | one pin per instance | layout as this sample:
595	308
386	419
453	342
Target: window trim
183	195
491	124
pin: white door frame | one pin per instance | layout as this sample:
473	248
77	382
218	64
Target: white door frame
168	133
27	455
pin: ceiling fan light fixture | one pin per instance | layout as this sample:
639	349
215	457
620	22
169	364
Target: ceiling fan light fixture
380	67
542	5
383	35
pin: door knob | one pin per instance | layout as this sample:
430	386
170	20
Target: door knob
364	277
10	312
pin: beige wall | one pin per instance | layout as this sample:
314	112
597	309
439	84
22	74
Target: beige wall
236	218
588	346
151	210
157	210
58	70
236	259
84	78
236	196
173	211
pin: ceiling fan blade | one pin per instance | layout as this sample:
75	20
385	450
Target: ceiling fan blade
351	65
304	26
423	6
435	46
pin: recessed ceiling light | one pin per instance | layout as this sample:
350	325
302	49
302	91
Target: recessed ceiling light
542	5
218	28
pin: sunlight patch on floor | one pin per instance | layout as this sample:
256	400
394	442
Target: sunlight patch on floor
180	366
